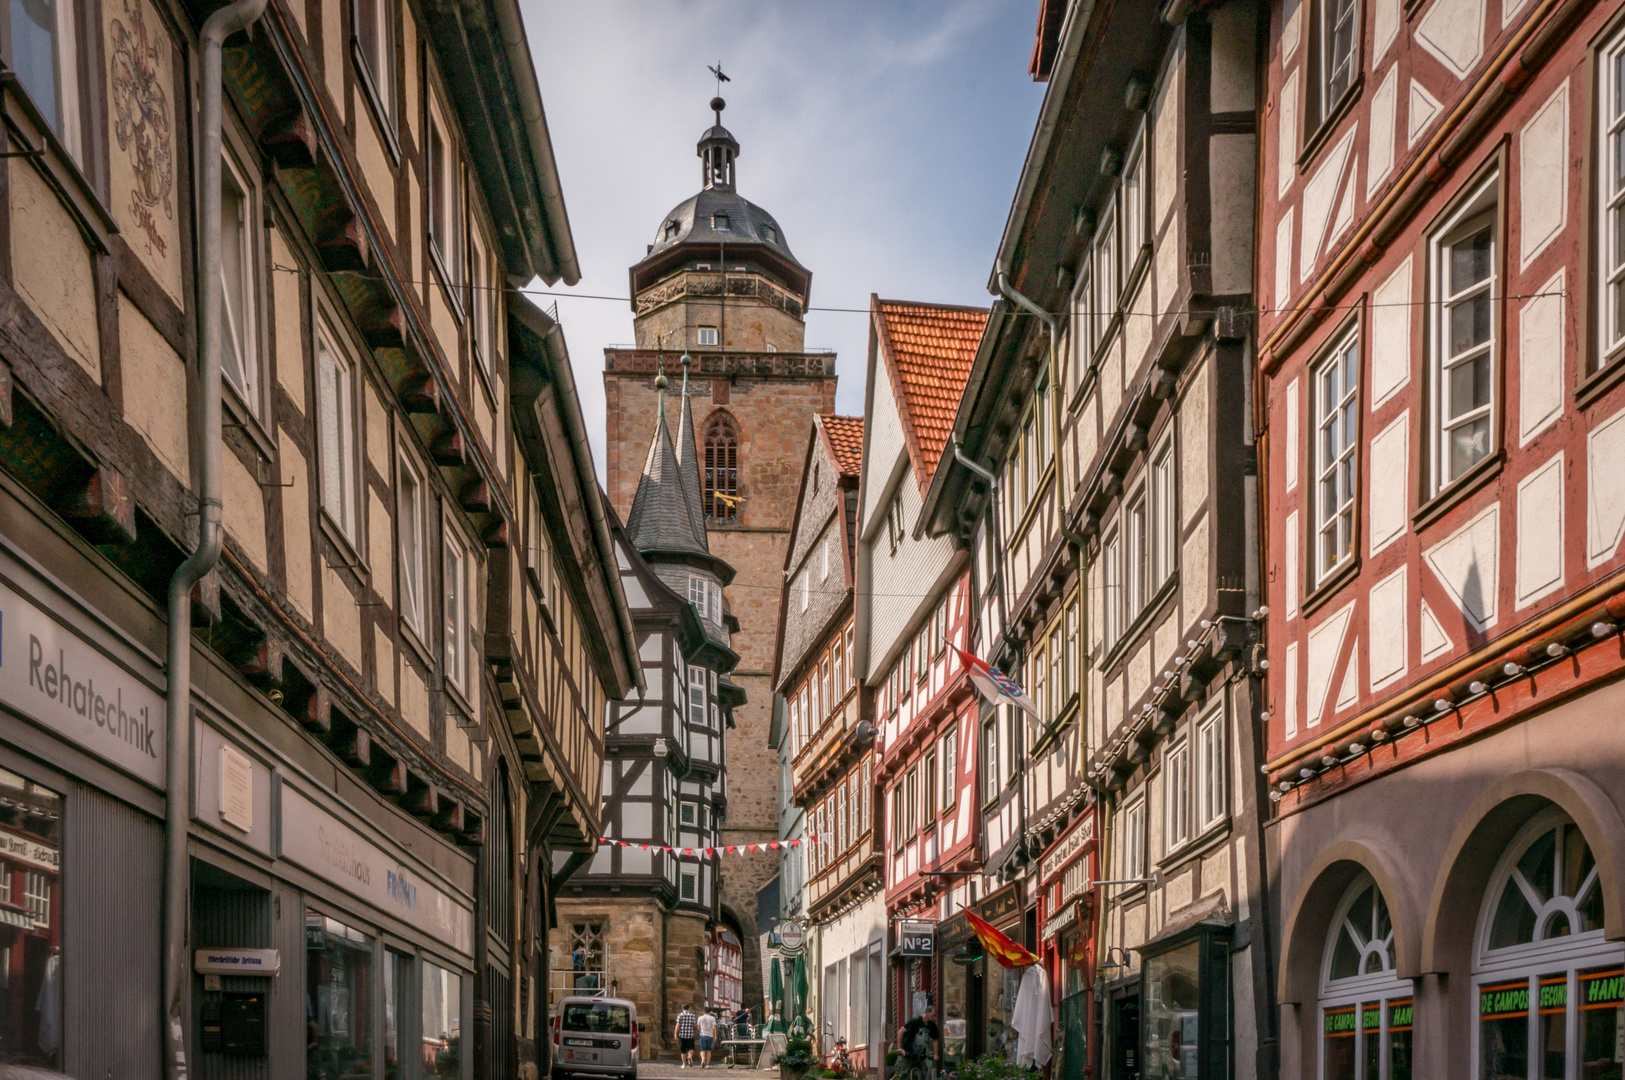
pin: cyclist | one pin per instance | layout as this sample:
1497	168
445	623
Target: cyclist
920	1040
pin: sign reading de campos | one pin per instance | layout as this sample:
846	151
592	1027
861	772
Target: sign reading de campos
51	674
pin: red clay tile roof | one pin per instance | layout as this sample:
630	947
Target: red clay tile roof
845	435
929	349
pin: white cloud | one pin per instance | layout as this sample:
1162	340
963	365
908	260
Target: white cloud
885	138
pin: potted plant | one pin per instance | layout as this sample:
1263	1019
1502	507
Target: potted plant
796	1059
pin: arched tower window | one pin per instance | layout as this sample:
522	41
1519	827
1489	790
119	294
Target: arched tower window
1549	989
721	483
1365	1009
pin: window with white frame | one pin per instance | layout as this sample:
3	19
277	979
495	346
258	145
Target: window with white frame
1338	46
336	432
1611	197
240	354
1133	199
911	805
1210	772
40	47
483	304
410	518
1108	282
458	610
37	895
689	889
1176	781
1112	600
826	552
696	695
445	204
806	587
894	522
707	335
375	45
898	836
843	839
1133	840
1137	552
1164	513
1366	1016
1336	392
688	814
864	797
990	760
1461	283
538	550
1083	323
949	757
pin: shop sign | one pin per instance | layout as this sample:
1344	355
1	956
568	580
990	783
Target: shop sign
916	938
322	844
1002	905
53	675
1056	923
236	789
1068	846
791	937
22	849
237	962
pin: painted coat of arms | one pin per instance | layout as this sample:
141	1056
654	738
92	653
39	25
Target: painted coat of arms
142	121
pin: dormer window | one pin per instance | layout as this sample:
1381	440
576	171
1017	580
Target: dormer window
719	222
671	229
769	233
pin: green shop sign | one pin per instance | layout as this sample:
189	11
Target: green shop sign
1504	1000
1399	1014
1340	1021
1607	988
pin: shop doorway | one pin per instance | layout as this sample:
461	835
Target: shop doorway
1125	1064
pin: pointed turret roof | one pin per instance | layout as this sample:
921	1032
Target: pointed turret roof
688	455
665	513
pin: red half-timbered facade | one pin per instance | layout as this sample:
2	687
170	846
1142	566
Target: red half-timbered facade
1443	453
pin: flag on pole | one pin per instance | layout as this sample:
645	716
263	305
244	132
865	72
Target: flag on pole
995	685
998	944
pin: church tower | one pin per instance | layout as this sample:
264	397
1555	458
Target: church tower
720	283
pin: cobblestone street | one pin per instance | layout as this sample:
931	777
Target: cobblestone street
668	1070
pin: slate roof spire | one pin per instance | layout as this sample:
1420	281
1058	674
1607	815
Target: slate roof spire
665	514
687	453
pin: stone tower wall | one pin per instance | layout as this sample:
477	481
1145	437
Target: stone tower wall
772	397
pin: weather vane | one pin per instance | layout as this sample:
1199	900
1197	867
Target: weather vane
721	78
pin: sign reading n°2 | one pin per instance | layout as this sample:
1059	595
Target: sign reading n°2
916	938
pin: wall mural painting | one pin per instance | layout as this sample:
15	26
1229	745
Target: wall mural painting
140	88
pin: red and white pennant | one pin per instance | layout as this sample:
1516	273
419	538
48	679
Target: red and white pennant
731	849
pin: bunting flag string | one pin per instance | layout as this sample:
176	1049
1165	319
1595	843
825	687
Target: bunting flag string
706	853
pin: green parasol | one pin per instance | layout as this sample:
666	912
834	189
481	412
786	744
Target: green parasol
775	994
798	980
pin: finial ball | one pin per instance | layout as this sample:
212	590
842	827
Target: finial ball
717	104
660	381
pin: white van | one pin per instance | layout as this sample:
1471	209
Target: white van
595	1036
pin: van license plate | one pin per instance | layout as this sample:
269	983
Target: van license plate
578	1042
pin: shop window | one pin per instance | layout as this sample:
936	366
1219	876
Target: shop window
397	977
442	1022
30	920
1547	984
1365	1009
339	1001
1186	1016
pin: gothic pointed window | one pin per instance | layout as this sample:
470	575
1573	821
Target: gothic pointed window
721	468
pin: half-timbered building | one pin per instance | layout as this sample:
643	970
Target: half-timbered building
374	747
831	740
1439	383
1107	418
913	603
645	918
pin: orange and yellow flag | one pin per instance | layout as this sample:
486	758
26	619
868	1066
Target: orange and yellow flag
998	945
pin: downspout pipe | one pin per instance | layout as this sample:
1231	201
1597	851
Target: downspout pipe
177	712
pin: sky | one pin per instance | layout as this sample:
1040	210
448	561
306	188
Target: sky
886	137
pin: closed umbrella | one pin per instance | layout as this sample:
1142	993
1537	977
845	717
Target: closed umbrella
775	993
799	983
